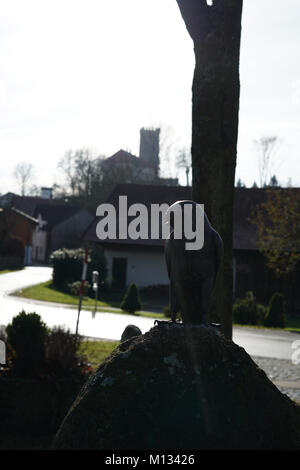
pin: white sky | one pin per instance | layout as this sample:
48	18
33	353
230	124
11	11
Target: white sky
91	73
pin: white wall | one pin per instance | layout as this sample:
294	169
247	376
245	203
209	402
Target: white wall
143	268
39	245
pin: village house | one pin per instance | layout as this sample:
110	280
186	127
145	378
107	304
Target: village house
56	224
17	224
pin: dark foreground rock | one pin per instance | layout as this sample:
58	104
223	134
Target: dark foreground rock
180	387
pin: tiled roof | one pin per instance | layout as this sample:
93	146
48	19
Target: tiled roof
123	157
54	215
28	204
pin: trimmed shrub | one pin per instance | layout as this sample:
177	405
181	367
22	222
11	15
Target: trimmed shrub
261	312
67	266
26	337
244	310
276	312
247	312
131	302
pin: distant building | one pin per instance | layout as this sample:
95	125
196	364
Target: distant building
54	223
58	227
129	167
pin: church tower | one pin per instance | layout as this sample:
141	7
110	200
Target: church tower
149	148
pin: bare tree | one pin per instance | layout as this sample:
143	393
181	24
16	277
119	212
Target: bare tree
215	28
266	152
168	148
183	160
23	173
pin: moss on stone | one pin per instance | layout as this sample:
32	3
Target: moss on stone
188	388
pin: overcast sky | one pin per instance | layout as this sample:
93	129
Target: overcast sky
91	73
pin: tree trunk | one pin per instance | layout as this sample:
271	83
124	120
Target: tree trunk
216	32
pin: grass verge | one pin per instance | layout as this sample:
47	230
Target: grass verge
48	293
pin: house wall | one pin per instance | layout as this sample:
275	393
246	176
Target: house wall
21	228
144	268
67	233
39	245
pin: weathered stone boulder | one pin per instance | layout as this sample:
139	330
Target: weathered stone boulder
180	386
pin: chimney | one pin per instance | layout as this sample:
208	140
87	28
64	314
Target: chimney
149	147
46	193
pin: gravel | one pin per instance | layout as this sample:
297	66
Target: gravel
282	370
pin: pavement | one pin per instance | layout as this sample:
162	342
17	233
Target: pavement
272	350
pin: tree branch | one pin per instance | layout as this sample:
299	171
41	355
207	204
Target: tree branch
194	14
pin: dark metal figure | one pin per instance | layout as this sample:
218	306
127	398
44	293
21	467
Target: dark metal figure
192	273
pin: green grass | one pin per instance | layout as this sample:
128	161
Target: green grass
97	351
292	325
48	293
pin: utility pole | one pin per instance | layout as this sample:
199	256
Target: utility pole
83	278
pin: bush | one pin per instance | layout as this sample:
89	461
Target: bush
244	310
276	312
62	356
26	337
74	288
131	302
67	266
247	312
261	312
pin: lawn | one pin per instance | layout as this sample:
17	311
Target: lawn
48	293
97	351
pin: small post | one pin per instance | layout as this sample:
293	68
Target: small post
95	288
83	278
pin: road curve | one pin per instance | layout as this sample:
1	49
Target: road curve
264	343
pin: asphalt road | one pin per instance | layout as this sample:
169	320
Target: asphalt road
105	325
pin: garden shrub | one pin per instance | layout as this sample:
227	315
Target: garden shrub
276	312
131	301
74	288
67	266
247	312
261	312
244	310
62	355
26	336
